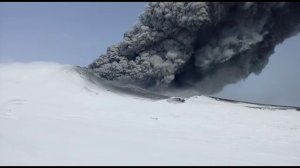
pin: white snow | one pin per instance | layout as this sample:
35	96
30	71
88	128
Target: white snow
50	115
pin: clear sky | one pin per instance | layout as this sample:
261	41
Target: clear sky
77	33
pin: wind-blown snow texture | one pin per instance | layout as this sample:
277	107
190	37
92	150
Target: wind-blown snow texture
52	115
198	45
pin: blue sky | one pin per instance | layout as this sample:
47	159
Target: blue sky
77	33
72	33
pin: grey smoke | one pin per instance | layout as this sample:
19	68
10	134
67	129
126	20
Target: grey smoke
200	46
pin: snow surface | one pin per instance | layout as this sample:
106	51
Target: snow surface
51	115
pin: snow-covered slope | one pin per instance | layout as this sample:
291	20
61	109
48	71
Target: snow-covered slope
51	115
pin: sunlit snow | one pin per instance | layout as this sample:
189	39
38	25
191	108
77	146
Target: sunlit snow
51	115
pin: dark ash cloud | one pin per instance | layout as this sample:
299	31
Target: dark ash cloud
200	46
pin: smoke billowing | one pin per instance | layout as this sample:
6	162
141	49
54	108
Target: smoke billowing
198	45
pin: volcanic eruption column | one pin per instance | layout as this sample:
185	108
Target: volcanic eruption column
198	45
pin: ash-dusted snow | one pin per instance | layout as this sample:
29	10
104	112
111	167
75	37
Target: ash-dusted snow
51	115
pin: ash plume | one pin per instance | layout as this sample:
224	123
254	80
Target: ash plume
201	46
